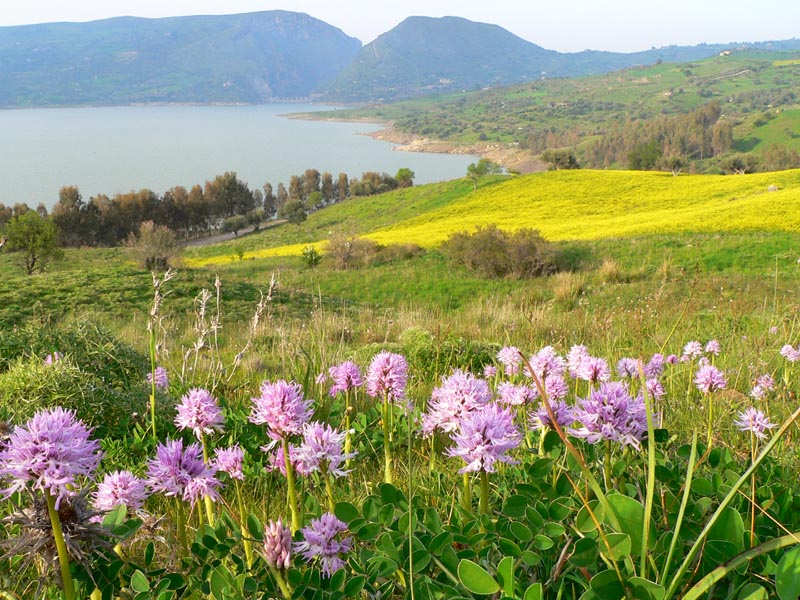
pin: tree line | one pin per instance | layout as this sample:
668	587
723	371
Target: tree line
224	203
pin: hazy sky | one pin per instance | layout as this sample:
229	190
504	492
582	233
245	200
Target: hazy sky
619	25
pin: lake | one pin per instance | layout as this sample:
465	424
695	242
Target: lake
119	149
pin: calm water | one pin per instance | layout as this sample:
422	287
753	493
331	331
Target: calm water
119	149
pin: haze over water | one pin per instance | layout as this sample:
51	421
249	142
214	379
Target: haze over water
119	149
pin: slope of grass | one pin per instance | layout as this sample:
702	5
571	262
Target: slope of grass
562	205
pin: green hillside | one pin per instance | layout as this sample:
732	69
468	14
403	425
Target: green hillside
232	58
750	86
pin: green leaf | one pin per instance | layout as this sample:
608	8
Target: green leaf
337	580
520	532
630	514
585	552
644	589
219	583
534	592
139	583
475	578
514	506
752	591
606	585
729	527
584	521
619	546
255	528
787	575
354	586
149	553
505	575
346	512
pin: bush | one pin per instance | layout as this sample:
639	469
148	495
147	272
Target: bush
494	253
30	385
350	252
154	247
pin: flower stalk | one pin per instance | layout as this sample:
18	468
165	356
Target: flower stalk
61	547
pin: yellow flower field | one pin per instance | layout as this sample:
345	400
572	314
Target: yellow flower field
586	204
600	204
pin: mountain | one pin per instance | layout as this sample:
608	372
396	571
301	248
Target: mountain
425	55
244	58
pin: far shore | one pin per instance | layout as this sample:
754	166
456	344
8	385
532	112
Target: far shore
509	157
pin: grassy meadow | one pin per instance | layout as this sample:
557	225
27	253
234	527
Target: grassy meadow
652	262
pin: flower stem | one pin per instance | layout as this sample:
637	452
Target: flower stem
296	520
285	591
61	547
387	442
207	499
248	546
180	515
326	476
466	500
152	346
484	492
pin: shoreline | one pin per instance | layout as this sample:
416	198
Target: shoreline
508	157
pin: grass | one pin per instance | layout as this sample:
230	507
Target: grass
562	205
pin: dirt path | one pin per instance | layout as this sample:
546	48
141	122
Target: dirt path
224	237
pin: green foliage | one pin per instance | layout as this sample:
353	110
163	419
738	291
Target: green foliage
493	252
154	246
294	211
560	159
28	386
34	240
234	224
311	257
644	156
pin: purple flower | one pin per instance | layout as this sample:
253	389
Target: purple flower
459	394
593	369
489	371
575	358
610	413
230	460
672	359
773	330
754	421
510	358
276	462
199	411
321	378
516	395
53	358
322	445
282	408
691	351
387	376
162	381
322	540
118	488
628	368
540	419
713	347
278	544
655	388
346	377
547	362
710	379
555	387
176	471
51	451
790	353
764	384
655	367
484	437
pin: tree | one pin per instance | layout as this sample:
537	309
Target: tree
740	164
293	211
779	158
483	167
270	201
404	177
560	159
67	215
154	246
34	239
644	156
675	164
281	198
234	224
342	187
327	188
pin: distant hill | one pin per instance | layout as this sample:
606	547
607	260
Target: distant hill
247	58
425	56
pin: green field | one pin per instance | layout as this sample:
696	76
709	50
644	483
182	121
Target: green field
651	261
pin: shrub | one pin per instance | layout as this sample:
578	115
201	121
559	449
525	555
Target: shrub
350	252
154	247
30	385
493	252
